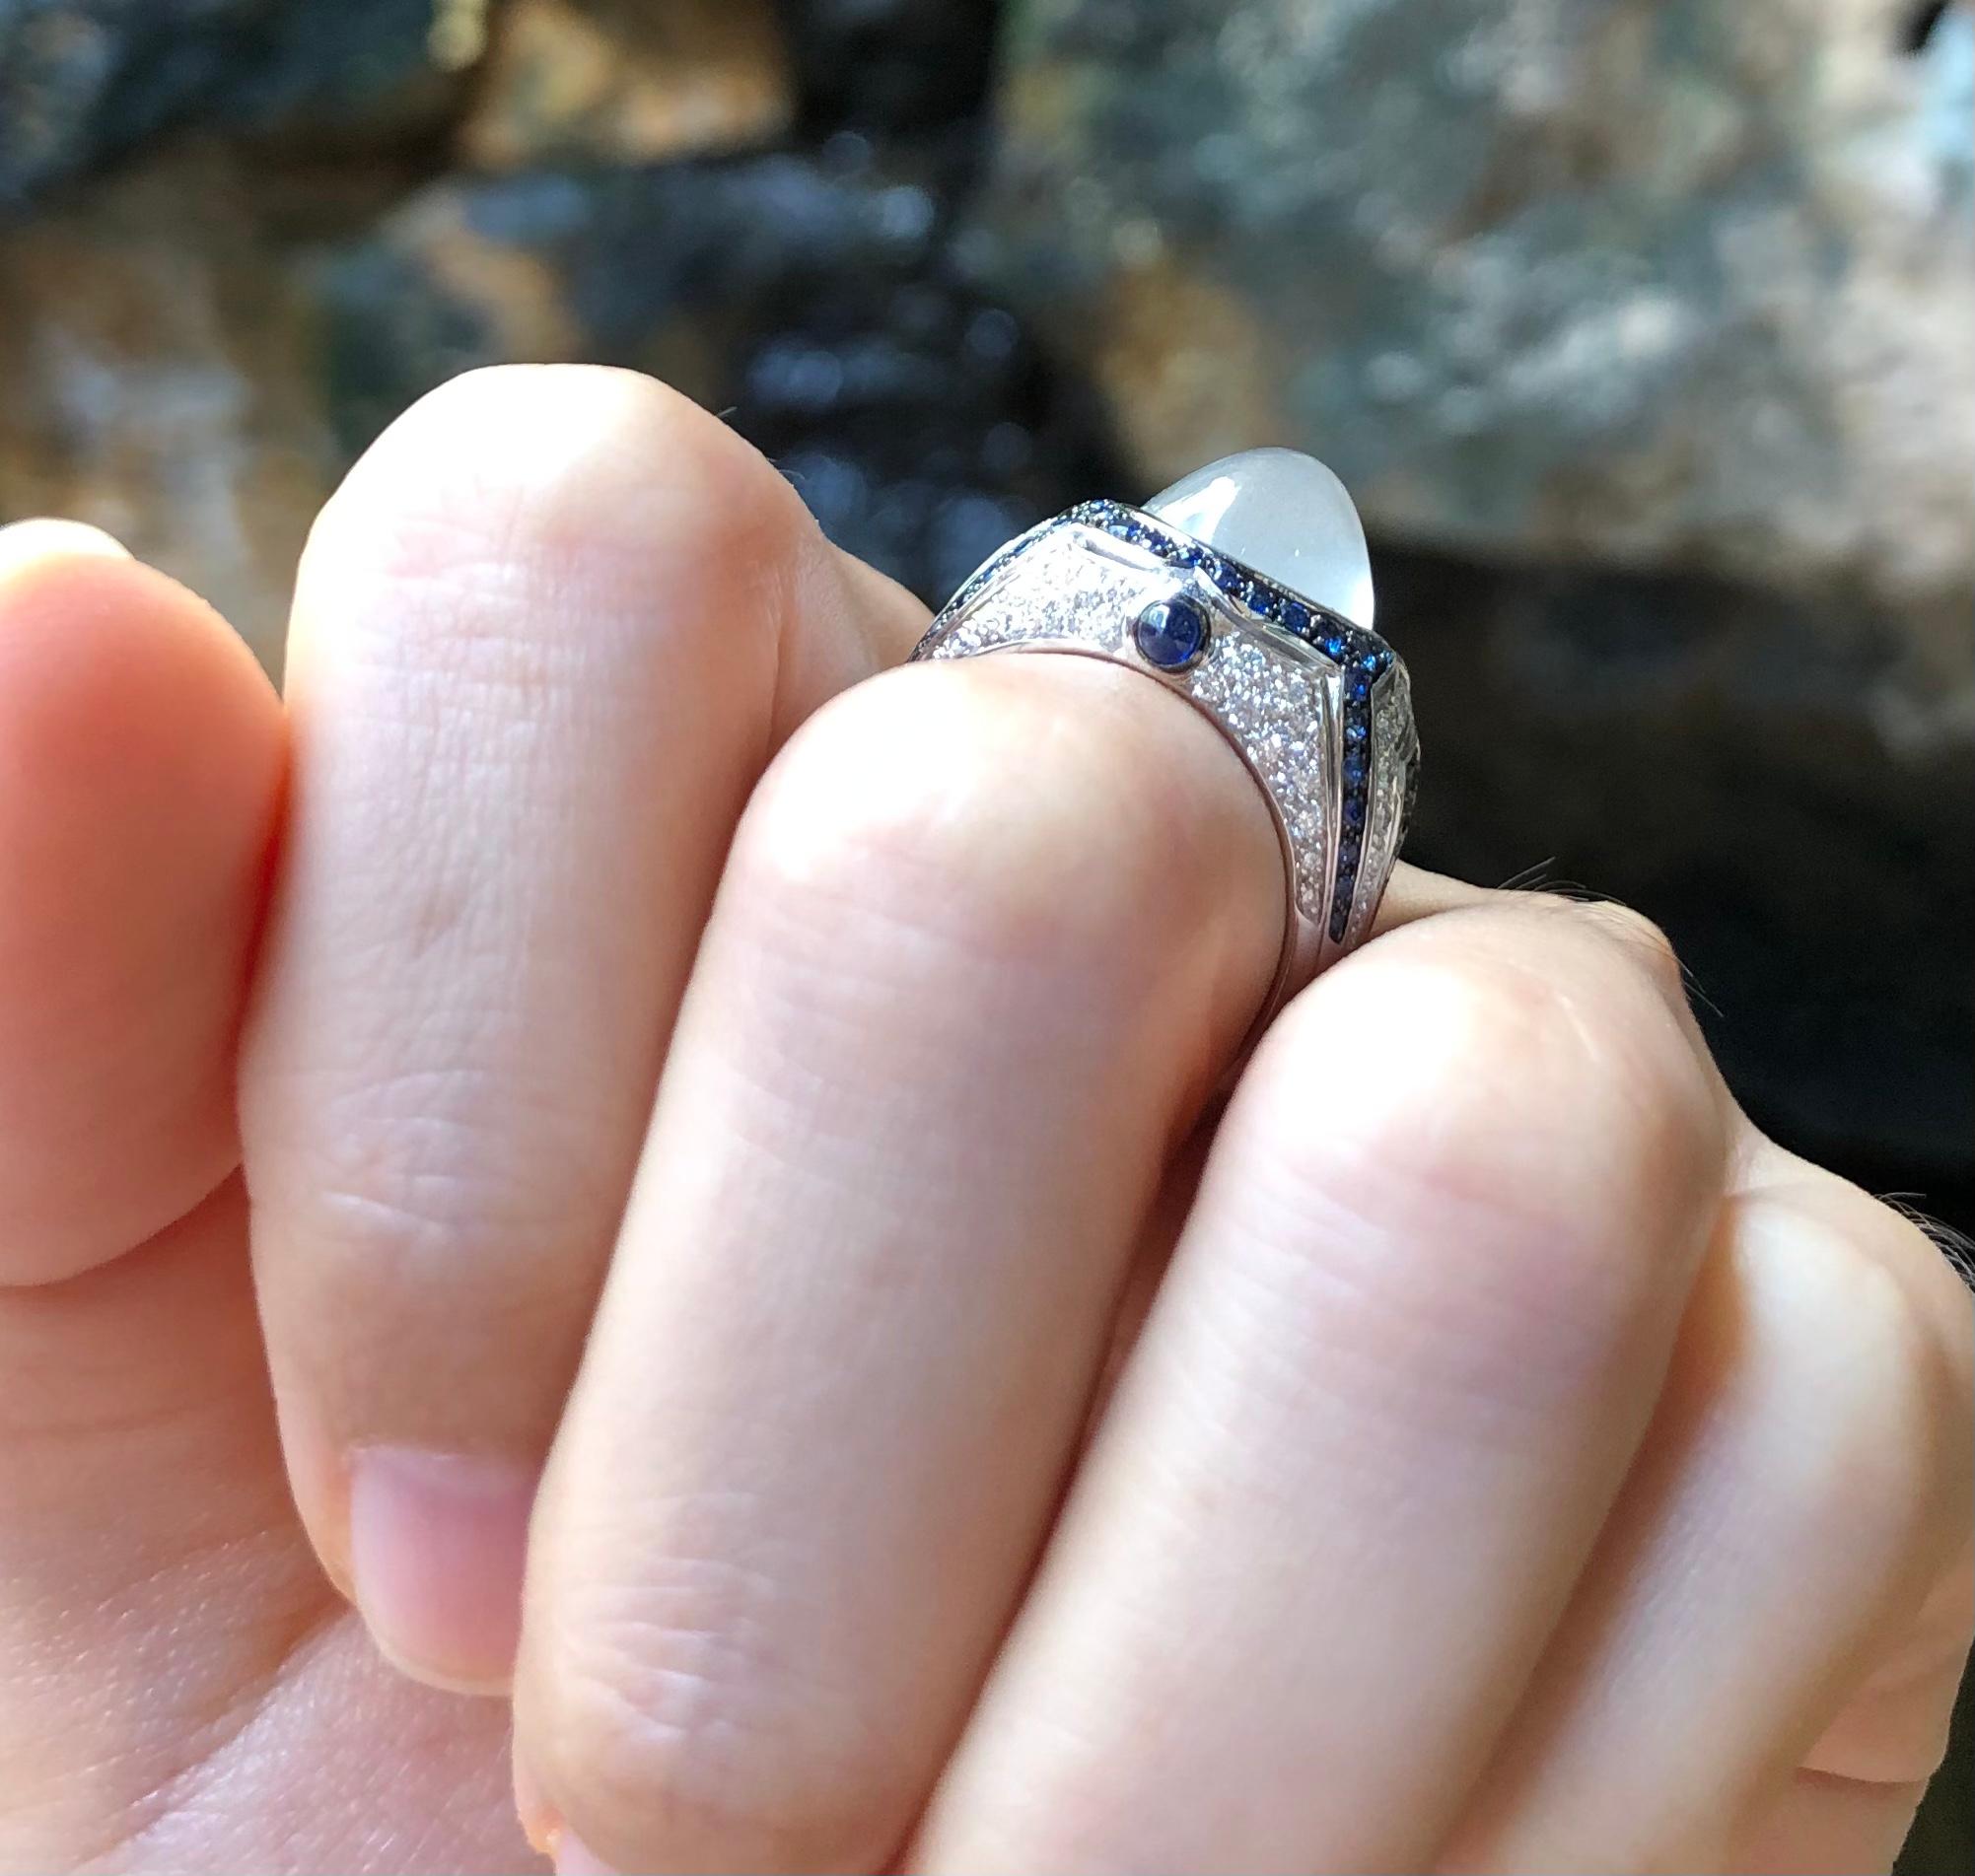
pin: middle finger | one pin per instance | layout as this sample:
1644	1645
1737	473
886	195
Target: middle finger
988	933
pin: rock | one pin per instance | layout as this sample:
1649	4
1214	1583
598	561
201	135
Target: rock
1687	645
887	66
1640	334
158	377
1657	282
817	305
85	82
625	81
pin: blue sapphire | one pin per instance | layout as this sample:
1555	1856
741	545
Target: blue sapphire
1356	765
1331	645
1215	568
1354	811
1347	856
1356	729
1170	632
1340	916
1372	661
1294	617
1358	687
1187	553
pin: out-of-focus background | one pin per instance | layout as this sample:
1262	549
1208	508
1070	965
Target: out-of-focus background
1643	331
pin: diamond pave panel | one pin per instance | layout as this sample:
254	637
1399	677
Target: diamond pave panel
1074	584
1396	749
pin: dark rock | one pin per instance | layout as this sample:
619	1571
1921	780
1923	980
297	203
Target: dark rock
85	82
1698	750
891	65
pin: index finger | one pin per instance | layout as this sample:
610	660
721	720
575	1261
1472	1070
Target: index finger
545	637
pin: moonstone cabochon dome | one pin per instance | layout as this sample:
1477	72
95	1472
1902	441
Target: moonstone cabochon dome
1284	515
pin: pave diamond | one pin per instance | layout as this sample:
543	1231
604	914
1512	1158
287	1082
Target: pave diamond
1395	751
1280	715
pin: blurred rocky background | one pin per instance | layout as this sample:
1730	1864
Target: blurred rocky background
1643	329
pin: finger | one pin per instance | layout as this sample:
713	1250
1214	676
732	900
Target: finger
989	932
1410	1337
544	637
1414	894
1775	1588
140	758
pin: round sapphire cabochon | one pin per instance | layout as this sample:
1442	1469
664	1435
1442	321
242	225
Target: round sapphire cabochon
1170	632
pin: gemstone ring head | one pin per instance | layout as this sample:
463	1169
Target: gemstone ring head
1246	588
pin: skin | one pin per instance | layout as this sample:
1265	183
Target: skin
617	1178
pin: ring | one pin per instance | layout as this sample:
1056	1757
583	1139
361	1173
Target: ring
1318	706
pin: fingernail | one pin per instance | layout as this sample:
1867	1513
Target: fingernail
437	1544
44	538
574	1857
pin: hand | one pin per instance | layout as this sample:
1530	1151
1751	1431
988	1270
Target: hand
772	1099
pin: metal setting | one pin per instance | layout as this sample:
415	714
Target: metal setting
1320	708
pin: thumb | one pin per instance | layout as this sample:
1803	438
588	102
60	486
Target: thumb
140	759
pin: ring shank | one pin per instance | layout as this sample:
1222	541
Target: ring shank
1302	937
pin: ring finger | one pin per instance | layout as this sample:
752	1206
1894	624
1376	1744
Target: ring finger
986	937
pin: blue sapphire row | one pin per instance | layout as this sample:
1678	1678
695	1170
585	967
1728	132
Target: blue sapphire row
1362	656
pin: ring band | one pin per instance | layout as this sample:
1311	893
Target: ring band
1320	708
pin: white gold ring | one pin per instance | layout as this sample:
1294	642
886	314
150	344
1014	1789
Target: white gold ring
1232	587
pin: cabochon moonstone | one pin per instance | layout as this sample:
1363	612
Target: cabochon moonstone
1286	515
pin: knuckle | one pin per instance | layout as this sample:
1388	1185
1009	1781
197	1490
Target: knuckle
497	476
1638	940
398	1179
1937	1264
627	1774
661	1721
959	806
1552	1079
1884	1331
1539	1116
1874	1376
